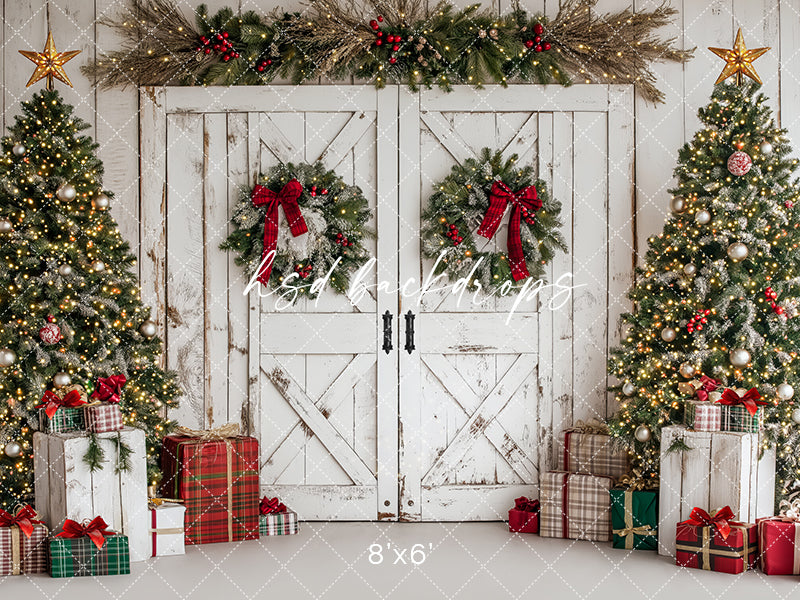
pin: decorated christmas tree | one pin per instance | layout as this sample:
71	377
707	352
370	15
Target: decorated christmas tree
70	307
717	297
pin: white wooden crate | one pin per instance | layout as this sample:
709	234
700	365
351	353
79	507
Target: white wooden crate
66	488
721	469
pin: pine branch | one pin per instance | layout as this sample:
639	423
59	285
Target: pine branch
95	455
124	453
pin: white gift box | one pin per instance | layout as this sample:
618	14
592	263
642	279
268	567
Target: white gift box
721	469
167	529
66	488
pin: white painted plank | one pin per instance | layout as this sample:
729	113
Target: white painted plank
451	333
787	106
314	333
448	136
254	400
760	23
327	502
284	149
669	491
493	98
457	502
357	125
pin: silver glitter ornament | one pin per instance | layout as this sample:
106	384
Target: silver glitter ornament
66	192
739	357
642	433
738	251
668	334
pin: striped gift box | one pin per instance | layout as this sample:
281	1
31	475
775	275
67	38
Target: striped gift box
737	418
21	554
79	557
64	420
282	523
575	505
702	416
103	418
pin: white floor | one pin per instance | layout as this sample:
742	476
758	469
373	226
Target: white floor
462	560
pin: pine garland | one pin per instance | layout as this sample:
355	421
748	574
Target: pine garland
95	455
399	41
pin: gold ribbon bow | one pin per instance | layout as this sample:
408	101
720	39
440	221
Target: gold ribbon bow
635	481
156	502
63	391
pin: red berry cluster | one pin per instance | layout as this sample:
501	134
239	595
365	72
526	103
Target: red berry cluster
303	271
342	240
314	192
536	42
452	233
697	321
772	295
218	43
263	64
390	40
527	216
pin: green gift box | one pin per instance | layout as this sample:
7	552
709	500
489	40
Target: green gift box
79	557
634	518
64	420
737	418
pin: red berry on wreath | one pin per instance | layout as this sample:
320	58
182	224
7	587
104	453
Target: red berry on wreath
269	62
395	48
537	39
378	42
380	19
204	39
538	29
546	46
380	34
207	51
529	43
324	191
779	310
219	36
260	67
538	48
373	23
225	34
392	60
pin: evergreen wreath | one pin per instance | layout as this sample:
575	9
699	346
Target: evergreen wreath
463	203
335	215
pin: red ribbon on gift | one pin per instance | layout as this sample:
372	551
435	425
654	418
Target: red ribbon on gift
108	389
751	400
287	198
522	503
708	384
721	519
526	199
271	505
25	519
94	530
51	403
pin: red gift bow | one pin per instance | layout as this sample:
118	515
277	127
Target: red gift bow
522	503
271	505
499	198
751	400
287	197
95	530
24	519
721	519
709	384
108	388
51	403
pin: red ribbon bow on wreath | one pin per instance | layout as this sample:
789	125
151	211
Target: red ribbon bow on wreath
524	202
721	519
95	530
287	197
709	384
51	403
24	519
109	388
522	503
271	505
751	400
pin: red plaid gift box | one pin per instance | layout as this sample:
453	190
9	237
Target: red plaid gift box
575	505
524	517
779	544
702	416
103	418
716	543
23	543
276	519
215	473
588	449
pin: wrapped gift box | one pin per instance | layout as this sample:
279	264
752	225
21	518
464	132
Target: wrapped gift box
634	518
779	545
281	523
590	452
721	468
524	517
575	505
737	418
702	416
64	420
103	418
704	547
80	557
21	553
218	481
66	488
167	529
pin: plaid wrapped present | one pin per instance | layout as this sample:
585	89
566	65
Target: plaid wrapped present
634	518
23	543
88	549
275	518
741	410
716	543
215	473
575	505
702	416
588	449
63	411
779	545
524	517
103	418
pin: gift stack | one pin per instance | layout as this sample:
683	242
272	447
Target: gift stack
575	501
67	487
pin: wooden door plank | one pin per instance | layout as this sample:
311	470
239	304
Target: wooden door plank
470	503
448	136
524	140
284	149
252	417
357	125
294	395
327	502
524	98
455	333
317	333
787	104
477	423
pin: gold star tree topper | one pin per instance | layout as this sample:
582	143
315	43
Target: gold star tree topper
49	63
738	60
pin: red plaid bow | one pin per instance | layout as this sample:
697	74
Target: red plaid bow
709	384
271	505
24	519
51	403
525	200
721	519
108	388
95	530
522	503
287	197
751	400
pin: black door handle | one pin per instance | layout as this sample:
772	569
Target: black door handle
387	332
409	332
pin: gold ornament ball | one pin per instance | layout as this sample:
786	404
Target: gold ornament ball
13	449
701	217
765	148
61	380
18	149
66	192
628	388
689	269
642	433
148	329
7	357
785	391
686	389
98	266
668	334
739	357
5	226
101	202
796	415
686	370
738	251
678	205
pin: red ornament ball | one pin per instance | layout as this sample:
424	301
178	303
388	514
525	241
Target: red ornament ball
739	163
50	334
529	43
538	29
